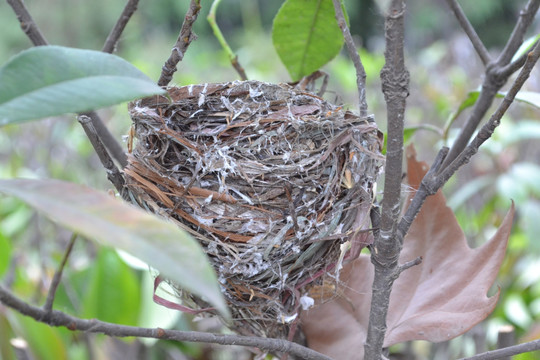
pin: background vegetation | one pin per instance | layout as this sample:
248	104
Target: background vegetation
443	67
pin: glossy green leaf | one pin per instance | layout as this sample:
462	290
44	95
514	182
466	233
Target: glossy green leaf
113	293
306	35
54	80
99	216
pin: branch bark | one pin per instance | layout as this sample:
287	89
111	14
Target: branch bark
116	31
185	38
496	75
469	30
386	248
58	318
355	57
506	352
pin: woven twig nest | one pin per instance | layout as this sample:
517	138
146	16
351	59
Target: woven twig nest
271	180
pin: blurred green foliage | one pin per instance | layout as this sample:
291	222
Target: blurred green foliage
443	69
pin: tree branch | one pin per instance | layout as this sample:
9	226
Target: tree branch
28	25
507	352
515	65
116	31
526	17
182	43
494	80
386	248
58	318
355	57
431	184
58	275
469	30
113	174
495	119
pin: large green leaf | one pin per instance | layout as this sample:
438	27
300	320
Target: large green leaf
306	35
54	80
99	216
113	294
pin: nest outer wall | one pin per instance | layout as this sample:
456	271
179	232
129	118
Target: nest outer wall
269	178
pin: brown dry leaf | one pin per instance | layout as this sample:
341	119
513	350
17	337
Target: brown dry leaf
439	299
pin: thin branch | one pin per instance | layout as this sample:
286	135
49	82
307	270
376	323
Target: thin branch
488	129
111	144
494	80
526	17
58	318
410	264
219	35
113	174
507	352
58	275
116	32
469	30
182	43
431	184
355	57
514	65
28	25
386	248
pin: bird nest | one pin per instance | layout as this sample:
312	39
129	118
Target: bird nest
273	181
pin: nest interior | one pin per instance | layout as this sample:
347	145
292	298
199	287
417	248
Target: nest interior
269	178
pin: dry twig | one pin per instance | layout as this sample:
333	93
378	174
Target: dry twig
355	57
58	318
185	38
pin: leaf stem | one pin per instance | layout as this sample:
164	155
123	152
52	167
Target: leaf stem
219	36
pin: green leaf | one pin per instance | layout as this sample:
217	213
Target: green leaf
99	216
5	253
469	101
306	35
54	80
526	46
113	294
43	340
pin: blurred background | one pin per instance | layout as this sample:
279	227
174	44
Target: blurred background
100	283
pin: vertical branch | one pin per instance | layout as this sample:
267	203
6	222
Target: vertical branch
28	25
353	53
182	43
387	246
